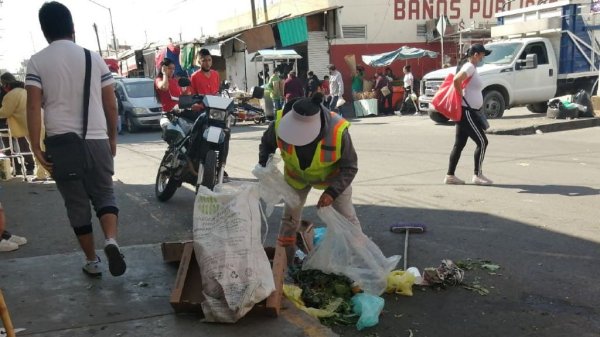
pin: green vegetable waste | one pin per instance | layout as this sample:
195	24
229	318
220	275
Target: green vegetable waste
330	294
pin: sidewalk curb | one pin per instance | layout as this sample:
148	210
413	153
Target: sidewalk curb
551	127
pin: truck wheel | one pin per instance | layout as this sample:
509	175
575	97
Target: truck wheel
438	117
538	108
493	104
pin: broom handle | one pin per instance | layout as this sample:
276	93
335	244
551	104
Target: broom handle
406	249
10	331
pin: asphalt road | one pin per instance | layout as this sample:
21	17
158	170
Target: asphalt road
538	222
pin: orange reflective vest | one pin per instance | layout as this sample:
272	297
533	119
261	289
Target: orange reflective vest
323	166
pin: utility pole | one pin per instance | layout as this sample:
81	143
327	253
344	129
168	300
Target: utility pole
253	13
111	27
265	7
97	38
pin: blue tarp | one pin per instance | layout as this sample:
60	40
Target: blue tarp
403	53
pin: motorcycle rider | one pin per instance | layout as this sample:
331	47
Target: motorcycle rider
206	81
317	151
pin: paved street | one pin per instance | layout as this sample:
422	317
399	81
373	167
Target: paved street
538	222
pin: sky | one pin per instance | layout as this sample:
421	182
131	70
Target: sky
136	22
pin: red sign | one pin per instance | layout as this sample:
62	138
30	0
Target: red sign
455	9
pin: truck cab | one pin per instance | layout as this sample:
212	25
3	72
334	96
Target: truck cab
539	52
517	72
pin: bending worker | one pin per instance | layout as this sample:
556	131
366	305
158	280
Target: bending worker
317	151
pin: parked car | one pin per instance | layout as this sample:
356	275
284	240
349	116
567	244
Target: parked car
140	109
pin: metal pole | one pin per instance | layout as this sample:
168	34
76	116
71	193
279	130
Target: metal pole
253	13
97	38
266	14
442	37
112	28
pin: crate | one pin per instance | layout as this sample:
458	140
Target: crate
186	295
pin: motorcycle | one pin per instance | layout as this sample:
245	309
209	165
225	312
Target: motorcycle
198	143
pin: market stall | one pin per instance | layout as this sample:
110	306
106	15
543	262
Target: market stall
368	105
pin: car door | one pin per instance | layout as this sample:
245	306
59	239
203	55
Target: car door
538	84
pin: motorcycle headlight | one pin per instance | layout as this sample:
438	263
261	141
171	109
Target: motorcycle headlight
217	114
140	111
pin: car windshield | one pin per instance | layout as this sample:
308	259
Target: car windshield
140	89
502	53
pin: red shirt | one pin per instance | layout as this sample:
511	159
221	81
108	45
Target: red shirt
202	85
166	100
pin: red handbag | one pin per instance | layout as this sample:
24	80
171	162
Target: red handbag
447	101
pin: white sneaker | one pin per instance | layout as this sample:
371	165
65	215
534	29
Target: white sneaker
19	240
481	180
453	180
7	246
93	268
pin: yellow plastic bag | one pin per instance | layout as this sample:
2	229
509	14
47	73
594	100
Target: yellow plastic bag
400	282
294	293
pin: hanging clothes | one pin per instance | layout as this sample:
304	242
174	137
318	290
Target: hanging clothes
173	53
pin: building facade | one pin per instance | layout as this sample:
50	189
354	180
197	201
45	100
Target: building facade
337	28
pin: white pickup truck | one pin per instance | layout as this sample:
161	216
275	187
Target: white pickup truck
539	52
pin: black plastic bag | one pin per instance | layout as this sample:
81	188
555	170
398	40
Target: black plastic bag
583	98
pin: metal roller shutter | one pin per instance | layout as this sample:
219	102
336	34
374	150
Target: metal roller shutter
318	53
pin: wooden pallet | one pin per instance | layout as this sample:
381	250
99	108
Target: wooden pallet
186	295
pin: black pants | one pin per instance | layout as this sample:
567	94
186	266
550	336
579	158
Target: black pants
468	127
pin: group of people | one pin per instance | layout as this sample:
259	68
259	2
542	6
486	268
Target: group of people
283	91
314	141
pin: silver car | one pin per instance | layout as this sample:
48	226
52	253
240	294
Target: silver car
139	107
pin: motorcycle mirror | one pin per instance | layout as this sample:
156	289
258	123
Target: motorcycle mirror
184	82
258	92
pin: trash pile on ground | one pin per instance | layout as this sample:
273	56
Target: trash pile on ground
571	106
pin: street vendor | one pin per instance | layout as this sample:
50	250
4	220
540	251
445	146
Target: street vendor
317	151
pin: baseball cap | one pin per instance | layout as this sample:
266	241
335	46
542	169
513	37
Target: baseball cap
478	48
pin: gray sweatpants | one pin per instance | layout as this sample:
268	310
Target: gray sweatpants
96	186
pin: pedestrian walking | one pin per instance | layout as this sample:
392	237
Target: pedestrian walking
468	84
59	78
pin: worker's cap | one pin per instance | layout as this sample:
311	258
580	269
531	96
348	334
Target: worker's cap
478	48
301	123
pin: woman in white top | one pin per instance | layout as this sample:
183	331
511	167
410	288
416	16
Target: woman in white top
468	84
408	103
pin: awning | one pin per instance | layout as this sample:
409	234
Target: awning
293	31
270	55
258	38
403	53
222	48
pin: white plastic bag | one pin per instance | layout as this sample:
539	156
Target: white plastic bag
236	273
346	250
272	185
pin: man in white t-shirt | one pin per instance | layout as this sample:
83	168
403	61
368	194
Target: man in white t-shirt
55	82
336	87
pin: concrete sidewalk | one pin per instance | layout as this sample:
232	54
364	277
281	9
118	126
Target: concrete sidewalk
49	296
